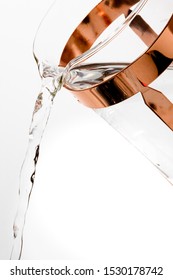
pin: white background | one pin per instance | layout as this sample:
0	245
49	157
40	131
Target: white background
95	196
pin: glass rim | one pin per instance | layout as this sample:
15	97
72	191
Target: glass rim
71	63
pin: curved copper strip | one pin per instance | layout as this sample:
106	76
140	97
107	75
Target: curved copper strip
134	78
99	18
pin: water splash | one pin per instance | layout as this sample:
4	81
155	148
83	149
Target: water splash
52	81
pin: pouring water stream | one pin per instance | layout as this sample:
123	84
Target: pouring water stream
50	85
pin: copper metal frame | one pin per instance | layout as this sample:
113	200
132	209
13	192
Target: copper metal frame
139	74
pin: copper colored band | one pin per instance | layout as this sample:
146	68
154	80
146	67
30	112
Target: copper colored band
97	21
134	78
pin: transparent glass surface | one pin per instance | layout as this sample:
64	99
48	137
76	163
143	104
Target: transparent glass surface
60	22
120	44
132	118
143	129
